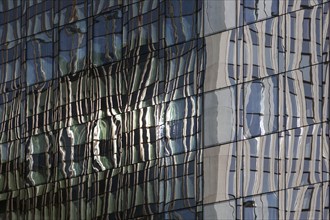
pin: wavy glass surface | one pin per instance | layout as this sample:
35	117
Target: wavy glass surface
326	93
221	61
10	22
100	6
261	163
71	11
181	21
303	156
141	32
261	49
294	5
39	58
164	109
10	68
255	10
304	38
220	167
304	202
261	107
261	206
39	21
219	15
220	108
303	95
107	37
219	210
73	47
326	32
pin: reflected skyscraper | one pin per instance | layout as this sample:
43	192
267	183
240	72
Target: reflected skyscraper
169	109
266	110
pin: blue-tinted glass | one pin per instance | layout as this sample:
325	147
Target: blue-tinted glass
39	62
72	49
107	37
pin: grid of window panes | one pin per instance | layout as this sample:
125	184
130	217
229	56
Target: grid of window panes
100	110
105	110
266	109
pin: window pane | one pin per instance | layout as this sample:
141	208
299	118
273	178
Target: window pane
255	10
219	110
219	15
220	60
39	62
107	41
261	207
261	106
222	210
72	55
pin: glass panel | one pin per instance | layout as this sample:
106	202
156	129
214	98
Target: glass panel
304	202
325	153
255	10
326	93
303	156
179	30
10	22
71	11
261	164
102	130
219	173
180	21
261	49
261	207
326	32
72	54
261	106
301	50
219	110
175	8
222	210
220	60
181	214
38	171
175	110
10	67
74	135
73	161
41	143
40	16
39	59
107	37
294	5
303	95
142	30
100	6
219	15
326	199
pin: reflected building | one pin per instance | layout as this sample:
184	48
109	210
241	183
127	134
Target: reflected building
266	110
169	109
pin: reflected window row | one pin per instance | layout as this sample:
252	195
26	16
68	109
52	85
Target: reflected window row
72	94
236	14
11	157
10	63
262	106
39	16
40	64
293	203
276	45
146	141
142	182
294	158
249	110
